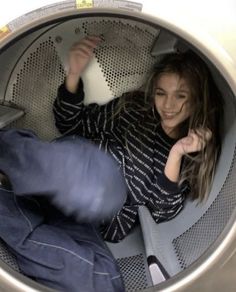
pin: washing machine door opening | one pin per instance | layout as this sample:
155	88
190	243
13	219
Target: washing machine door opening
34	65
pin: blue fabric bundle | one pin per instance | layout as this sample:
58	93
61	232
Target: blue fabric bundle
80	179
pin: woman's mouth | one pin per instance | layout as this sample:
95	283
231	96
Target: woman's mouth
168	115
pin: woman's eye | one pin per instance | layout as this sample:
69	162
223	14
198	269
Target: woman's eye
158	93
181	96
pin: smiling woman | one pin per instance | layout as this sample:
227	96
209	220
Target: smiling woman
189	107
175	128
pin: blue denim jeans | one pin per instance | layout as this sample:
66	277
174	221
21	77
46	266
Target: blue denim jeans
78	179
53	249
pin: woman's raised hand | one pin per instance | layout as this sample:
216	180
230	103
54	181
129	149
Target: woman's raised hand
194	142
81	53
79	56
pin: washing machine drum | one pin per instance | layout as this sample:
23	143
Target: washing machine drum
34	65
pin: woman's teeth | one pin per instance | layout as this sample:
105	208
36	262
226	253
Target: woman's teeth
169	115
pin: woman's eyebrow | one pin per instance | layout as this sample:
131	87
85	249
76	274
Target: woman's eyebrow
183	91
178	90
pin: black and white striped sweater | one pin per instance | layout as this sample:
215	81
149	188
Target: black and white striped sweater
140	146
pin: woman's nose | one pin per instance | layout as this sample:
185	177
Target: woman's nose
169	102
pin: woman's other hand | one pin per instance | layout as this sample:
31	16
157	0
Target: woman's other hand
194	142
79	56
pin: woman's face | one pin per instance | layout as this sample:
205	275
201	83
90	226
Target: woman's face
172	102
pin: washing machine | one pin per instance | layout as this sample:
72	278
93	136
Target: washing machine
196	248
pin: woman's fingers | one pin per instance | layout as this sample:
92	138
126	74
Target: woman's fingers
196	140
202	133
82	50
199	137
81	54
88	43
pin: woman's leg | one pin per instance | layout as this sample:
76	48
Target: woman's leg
61	259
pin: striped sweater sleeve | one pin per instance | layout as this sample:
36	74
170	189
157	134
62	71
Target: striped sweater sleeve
170	199
73	117
164	205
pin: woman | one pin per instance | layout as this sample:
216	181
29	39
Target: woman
165	140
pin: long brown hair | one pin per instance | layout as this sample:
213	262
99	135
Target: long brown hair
198	168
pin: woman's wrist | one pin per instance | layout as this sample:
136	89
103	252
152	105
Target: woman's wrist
71	82
175	153
172	168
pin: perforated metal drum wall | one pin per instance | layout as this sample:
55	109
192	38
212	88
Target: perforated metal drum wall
124	59
35	87
7	257
125	55
133	272
191	244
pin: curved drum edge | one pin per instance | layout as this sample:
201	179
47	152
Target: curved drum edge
223	250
